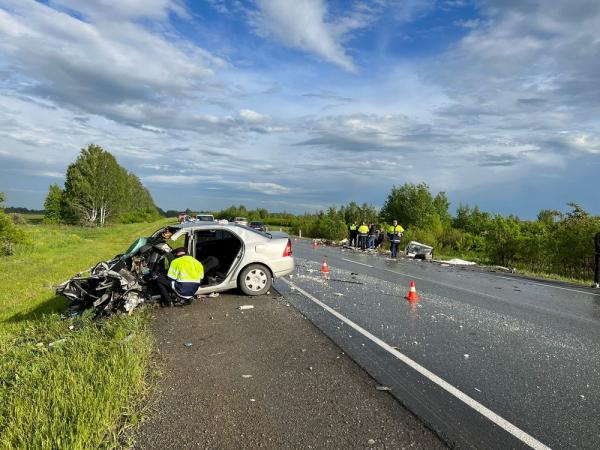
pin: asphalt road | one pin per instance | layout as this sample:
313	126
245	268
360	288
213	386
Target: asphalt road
264	378
523	355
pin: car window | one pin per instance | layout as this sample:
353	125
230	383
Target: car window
212	235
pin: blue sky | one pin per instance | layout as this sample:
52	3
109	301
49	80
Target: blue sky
300	104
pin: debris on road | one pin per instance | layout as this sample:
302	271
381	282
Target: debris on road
460	262
188	344
417	250
246	307
213	294
383	388
246	376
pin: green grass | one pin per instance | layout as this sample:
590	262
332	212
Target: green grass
81	392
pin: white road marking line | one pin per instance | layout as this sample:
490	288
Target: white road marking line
546	285
482	294
486	412
356	262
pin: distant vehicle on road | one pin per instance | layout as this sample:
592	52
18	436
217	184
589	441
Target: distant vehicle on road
205	217
257	225
240	221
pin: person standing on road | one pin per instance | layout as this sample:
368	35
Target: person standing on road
380	237
184	276
363	233
372	234
395	233
597	261
352	229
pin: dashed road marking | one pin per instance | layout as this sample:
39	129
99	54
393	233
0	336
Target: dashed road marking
484	411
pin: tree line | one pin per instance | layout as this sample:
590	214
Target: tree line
557	242
97	191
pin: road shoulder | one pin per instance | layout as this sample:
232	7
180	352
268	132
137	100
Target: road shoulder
264	377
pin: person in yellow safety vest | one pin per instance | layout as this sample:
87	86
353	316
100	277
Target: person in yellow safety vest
395	232
353	232
183	278
363	233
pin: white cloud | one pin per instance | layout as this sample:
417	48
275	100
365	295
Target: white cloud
304	25
586	143
123	9
252	116
178	179
117	69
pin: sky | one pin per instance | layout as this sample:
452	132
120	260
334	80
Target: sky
297	105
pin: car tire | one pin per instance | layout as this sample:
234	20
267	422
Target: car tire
255	280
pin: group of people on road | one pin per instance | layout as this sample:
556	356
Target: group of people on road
372	236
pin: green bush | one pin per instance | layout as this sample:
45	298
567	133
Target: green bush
10	235
139	216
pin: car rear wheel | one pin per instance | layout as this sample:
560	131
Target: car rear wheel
255	280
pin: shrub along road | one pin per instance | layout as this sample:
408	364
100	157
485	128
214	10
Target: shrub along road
527	350
265	378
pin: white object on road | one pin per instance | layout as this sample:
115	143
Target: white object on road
246	307
460	262
246	376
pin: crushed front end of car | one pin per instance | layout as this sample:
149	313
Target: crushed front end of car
118	285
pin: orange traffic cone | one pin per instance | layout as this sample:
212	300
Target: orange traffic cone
412	295
325	267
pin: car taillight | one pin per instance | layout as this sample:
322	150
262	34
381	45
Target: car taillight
288	249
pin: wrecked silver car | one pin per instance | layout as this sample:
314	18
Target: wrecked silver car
121	283
233	256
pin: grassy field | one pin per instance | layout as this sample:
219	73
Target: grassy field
82	390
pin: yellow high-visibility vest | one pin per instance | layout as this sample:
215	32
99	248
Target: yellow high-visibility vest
186	269
363	229
395	230
352	227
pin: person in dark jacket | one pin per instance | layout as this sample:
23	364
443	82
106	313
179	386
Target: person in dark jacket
597	261
380	237
372	236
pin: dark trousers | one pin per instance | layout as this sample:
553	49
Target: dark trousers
353	235
597	268
164	286
363	241
394	248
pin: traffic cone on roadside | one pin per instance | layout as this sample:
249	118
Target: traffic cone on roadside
325	267
412	295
